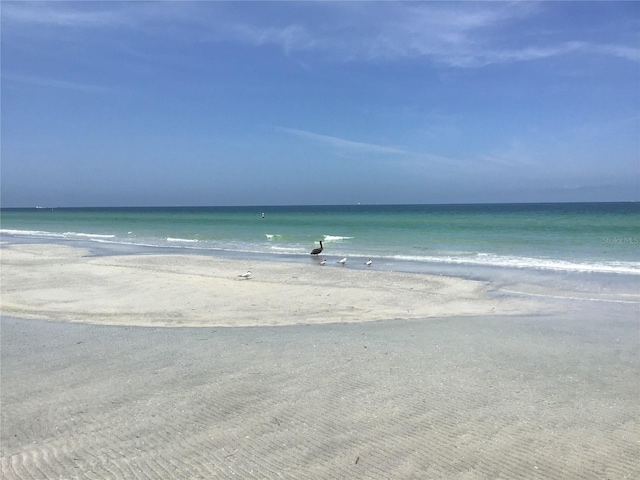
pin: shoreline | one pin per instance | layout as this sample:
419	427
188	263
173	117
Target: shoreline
60	282
473	269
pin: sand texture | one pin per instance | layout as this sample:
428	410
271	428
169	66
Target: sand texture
63	283
304	372
470	398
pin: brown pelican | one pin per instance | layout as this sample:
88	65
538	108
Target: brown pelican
317	251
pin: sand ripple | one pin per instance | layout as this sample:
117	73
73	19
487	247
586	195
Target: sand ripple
531	398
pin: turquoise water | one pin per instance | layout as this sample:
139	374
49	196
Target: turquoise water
588	237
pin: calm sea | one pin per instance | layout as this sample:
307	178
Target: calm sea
584	237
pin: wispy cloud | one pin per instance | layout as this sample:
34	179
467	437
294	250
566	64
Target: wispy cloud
55	83
290	38
630	53
448	34
459	35
467	35
398	156
43	13
345	144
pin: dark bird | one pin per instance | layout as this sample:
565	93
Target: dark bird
317	251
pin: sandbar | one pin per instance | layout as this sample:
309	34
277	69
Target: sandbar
64	283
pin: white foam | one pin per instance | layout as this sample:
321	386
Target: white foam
41	233
492	260
335	238
87	235
285	250
182	240
32	233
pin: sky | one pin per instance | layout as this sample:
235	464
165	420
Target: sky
127	103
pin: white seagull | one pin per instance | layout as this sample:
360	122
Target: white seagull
368	263
343	261
323	262
246	275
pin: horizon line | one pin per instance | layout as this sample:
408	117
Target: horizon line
37	207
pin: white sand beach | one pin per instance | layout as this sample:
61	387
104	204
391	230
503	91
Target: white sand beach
64	283
304	372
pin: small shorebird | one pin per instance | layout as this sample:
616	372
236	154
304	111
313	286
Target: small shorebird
368	263
323	262
246	275
343	261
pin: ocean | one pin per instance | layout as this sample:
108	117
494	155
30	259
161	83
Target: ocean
464	240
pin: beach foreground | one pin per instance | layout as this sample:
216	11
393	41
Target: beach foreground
456	398
64	283
322	378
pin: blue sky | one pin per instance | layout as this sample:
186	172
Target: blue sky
272	103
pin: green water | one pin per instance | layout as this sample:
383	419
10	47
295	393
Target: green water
600	237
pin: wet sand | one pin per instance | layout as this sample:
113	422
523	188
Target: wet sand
485	397
546	394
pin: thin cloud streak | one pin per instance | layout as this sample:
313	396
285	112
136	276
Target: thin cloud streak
343	143
399	155
53	83
513	157
55	15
